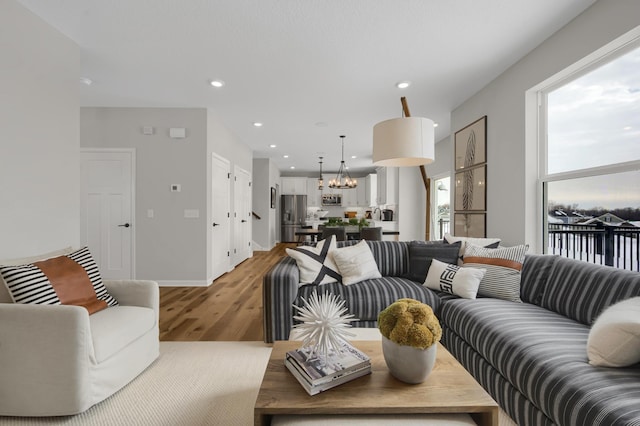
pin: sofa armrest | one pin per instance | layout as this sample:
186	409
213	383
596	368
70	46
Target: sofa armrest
279	290
142	293
44	349
135	292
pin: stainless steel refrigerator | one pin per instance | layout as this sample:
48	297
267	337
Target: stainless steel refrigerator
294	214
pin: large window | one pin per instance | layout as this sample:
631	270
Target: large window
591	177
440	211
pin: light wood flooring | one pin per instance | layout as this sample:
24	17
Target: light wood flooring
228	310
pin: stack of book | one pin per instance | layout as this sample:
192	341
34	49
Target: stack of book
316	374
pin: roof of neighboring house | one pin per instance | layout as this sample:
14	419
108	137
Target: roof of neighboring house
612	218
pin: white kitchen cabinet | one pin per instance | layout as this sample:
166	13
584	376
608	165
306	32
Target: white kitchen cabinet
314	195
294	185
387	184
350	197
370	190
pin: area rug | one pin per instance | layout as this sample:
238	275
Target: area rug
191	383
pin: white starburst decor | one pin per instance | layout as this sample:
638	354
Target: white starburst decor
324	327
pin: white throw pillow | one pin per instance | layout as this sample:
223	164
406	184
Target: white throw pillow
356	263
316	264
453	279
614	339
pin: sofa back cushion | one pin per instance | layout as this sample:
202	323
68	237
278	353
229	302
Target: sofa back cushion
581	291
535	275
421	253
392	257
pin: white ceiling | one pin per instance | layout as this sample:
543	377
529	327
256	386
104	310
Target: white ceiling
310	70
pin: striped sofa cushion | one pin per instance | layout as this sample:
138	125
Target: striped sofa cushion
543	355
511	400
581	290
279	290
535	275
392	257
367	298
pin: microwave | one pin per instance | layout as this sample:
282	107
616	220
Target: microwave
331	199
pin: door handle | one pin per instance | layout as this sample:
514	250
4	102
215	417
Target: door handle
126	225
216	224
243	221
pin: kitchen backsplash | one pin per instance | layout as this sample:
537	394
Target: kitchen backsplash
335	211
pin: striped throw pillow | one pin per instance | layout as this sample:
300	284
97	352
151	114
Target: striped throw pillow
503	265
72	279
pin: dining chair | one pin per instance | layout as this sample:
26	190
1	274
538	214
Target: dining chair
303	238
372	233
338	231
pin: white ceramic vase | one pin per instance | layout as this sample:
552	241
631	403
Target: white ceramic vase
407	363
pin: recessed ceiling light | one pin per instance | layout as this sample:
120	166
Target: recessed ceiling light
403	84
272	145
292	167
354	156
627	128
435	124
86	81
285	156
217	83
257	124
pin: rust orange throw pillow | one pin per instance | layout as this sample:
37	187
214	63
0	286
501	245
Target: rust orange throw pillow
73	279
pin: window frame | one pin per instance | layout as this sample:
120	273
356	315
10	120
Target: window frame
592	62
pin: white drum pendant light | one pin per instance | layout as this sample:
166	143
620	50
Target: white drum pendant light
406	141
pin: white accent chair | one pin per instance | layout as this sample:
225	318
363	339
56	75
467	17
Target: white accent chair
56	360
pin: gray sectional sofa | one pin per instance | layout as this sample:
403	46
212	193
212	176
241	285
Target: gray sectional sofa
531	356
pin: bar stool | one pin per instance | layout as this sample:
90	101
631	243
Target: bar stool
371	234
338	231
303	238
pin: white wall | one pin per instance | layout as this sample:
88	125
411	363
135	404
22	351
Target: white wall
169	247
444	159
224	143
265	177
511	175
39	145
411	210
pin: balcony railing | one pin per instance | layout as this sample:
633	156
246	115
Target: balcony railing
443	227
605	245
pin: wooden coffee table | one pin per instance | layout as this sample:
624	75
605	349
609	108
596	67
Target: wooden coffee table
448	389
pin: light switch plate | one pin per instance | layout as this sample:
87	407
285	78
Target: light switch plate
176	187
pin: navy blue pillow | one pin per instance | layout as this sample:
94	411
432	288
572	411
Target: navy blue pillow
421	253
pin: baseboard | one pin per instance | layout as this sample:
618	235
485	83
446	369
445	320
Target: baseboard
184	283
258	247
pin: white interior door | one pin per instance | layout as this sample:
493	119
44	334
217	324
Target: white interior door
242	215
107	210
221	215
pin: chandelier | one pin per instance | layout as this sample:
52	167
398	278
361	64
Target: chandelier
343	179
320	180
